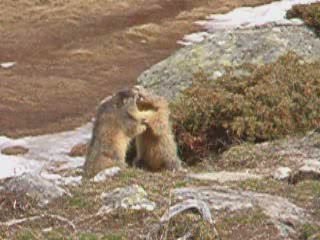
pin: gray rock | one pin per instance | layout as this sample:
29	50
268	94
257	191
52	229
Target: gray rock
309	171
131	197
105	174
284	214
282	173
36	187
224	49
224	176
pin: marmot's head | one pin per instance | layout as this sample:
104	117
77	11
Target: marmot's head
145	98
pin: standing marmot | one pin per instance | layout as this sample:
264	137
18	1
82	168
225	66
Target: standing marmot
156	147
118	121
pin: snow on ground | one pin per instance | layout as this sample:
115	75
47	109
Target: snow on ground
44	153
245	17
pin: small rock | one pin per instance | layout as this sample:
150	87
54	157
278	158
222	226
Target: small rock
224	176
62	180
79	150
14	150
282	173
309	171
35	187
217	74
130	197
105	174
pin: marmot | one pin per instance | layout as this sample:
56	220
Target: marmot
118	120
156	147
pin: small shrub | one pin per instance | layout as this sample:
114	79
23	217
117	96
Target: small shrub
278	99
309	13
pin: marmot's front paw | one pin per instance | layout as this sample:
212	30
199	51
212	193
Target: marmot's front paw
141	128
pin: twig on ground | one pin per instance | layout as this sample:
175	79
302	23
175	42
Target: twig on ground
34	218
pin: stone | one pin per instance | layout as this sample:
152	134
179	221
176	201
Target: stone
309	171
62	180
79	150
282	173
223	49
284	214
15	150
130	197
105	174
224	176
35	187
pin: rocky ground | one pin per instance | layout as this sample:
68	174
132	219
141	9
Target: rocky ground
275	195
267	190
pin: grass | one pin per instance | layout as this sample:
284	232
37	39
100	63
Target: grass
128	224
309	230
246	224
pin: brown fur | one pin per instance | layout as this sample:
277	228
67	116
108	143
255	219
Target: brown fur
156	147
118	121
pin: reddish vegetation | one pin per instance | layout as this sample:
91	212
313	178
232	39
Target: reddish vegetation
309	13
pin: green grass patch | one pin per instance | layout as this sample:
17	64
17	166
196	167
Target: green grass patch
308	231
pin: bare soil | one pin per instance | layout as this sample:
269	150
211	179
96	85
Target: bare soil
70	54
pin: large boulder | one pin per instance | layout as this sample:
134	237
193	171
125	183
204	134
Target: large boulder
36	187
284	214
224	49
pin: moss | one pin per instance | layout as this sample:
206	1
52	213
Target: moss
244	156
244	224
57	234
79	202
309	230
187	223
25	235
309	13
255	217
278	99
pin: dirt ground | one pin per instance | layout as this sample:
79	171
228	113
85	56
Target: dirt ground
70	54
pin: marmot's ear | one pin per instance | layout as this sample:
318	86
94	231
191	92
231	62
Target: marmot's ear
126	93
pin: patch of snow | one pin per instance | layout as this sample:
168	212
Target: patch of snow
7	65
193	38
45	152
11	166
105	174
246	17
